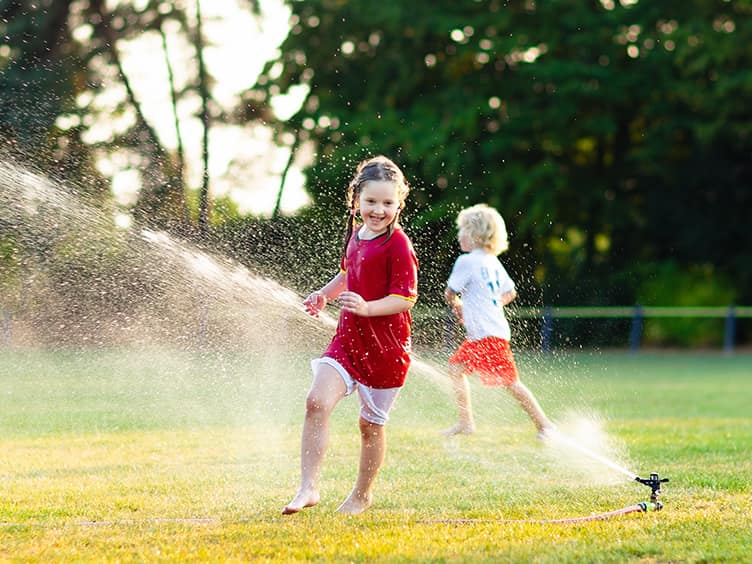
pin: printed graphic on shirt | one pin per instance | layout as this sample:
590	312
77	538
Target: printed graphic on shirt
480	280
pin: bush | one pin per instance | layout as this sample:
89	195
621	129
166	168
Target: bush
667	284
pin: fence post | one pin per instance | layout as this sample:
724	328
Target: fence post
730	332
636	332
547	329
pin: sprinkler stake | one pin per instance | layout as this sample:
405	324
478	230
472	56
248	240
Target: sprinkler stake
654	483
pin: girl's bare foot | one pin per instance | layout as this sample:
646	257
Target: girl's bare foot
354	504
459	429
304	498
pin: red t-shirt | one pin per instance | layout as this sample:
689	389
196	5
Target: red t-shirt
376	350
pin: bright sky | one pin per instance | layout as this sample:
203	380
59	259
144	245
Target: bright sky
244	163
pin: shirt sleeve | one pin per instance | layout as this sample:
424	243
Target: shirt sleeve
403	280
506	282
460	275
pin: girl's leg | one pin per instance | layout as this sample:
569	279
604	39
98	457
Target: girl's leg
327	390
524	396
372	453
465	424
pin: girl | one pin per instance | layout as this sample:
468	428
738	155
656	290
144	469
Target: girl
370	352
485	287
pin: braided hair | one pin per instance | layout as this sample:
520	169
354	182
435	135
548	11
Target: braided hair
378	168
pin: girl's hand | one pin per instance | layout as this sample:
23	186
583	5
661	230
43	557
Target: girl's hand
350	301
314	303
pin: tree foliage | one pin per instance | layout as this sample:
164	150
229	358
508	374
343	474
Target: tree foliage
69	110
609	134
62	76
613	135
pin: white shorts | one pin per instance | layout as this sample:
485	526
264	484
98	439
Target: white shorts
375	403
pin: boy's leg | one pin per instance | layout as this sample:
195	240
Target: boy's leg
372	453
327	390
465	424
524	396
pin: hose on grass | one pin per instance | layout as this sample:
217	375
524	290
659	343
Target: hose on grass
642	507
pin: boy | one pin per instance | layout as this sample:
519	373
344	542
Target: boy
477	291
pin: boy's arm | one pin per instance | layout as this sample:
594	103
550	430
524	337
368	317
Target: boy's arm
454	302
451	297
508	297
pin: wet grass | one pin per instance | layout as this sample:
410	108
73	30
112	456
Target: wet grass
121	455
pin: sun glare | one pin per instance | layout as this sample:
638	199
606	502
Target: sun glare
238	44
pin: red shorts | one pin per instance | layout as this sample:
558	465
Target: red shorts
490	357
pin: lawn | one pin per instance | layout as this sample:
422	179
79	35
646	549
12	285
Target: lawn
154	455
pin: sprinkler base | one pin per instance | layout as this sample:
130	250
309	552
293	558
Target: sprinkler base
647	506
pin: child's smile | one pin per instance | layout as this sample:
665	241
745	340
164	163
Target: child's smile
379	205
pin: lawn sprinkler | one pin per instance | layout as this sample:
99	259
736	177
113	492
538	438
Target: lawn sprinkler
654	483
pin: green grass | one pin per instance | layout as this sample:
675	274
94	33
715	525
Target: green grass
166	456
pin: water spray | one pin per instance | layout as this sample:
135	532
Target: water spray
654	482
558	437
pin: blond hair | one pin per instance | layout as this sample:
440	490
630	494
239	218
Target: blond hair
485	228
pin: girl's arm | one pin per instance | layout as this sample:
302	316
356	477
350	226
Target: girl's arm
317	300
335	286
389	305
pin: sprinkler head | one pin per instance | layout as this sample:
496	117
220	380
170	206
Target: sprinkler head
654	483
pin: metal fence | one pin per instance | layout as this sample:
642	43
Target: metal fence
637	314
439	324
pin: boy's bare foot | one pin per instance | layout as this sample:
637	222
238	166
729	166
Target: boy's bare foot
459	429
304	498
548	433
354	505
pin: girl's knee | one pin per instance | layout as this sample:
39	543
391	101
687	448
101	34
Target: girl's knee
318	405
368	428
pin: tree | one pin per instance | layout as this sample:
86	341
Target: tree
40	75
578	120
63	66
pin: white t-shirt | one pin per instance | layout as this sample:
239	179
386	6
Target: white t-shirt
480	280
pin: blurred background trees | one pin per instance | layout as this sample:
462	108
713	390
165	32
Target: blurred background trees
614	136
601	130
